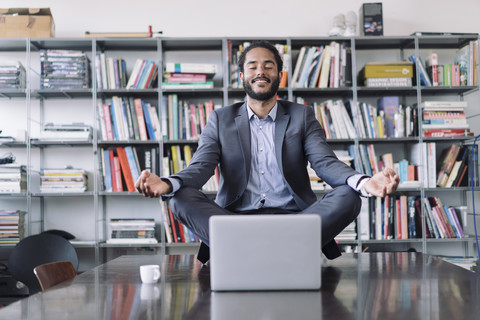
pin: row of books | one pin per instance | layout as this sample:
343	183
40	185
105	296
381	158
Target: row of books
68	180
367	162
122	166
111	73
234	53
178	157
391	217
175	231
13	178
12	226
182	119
132	231
399	217
462	72
365	120
128	119
327	66
12	76
445	119
454	166
64	69
188	75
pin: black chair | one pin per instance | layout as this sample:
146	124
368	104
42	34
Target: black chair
35	250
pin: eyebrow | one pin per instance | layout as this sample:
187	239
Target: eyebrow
255	61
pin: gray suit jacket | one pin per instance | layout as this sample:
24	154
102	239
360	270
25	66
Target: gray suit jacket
299	138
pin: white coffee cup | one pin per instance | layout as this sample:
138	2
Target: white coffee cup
150	273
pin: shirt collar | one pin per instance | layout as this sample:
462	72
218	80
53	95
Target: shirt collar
272	114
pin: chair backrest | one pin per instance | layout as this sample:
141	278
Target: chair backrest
50	274
35	250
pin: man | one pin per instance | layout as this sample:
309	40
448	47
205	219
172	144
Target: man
262	147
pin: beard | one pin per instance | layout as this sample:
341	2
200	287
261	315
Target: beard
262	96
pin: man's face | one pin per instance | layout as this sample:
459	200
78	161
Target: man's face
261	78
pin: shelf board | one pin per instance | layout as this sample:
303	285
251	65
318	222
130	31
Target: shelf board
150	92
12	93
382	91
62	94
13	195
203	44
121	194
392	241
13	144
60	143
130	245
384	42
129	142
388	140
62	194
182	244
124	44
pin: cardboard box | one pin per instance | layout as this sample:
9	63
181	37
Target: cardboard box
371	19
26	23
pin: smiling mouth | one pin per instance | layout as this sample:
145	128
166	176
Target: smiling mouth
261	80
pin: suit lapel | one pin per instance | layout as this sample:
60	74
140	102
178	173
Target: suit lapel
281	123
243	129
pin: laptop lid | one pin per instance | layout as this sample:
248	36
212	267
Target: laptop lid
265	252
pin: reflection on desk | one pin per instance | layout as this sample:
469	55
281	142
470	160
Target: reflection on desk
354	286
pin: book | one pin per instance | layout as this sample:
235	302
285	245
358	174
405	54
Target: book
431	63
125	168
420	68
390	106
207	68
447	161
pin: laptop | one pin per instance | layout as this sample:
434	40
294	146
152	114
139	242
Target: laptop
265	252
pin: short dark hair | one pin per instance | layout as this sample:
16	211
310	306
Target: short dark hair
260	44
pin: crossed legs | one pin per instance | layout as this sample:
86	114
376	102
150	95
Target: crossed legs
337	208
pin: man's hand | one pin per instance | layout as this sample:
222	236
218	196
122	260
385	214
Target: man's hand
150	185
383	183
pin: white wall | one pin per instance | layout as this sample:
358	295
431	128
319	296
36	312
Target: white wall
249	18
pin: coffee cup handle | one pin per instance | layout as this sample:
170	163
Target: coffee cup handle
156	274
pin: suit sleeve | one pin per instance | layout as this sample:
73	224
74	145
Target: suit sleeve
206	157
321	156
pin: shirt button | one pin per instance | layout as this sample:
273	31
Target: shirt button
261	149
263	195
263	172
261	127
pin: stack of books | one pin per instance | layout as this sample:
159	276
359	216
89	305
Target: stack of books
132	231
144	75
70	132
13	178
445	119
64	69
12	76
12	226
128	119
189	75
326	66
386	74
63	180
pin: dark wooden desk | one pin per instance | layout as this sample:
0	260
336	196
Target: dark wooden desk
354	286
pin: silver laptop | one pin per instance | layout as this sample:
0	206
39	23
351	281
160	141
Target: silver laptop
265	252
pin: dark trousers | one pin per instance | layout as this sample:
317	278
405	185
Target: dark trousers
337	208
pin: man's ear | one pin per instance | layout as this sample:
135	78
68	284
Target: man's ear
241	76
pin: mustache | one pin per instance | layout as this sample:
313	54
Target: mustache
261	78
